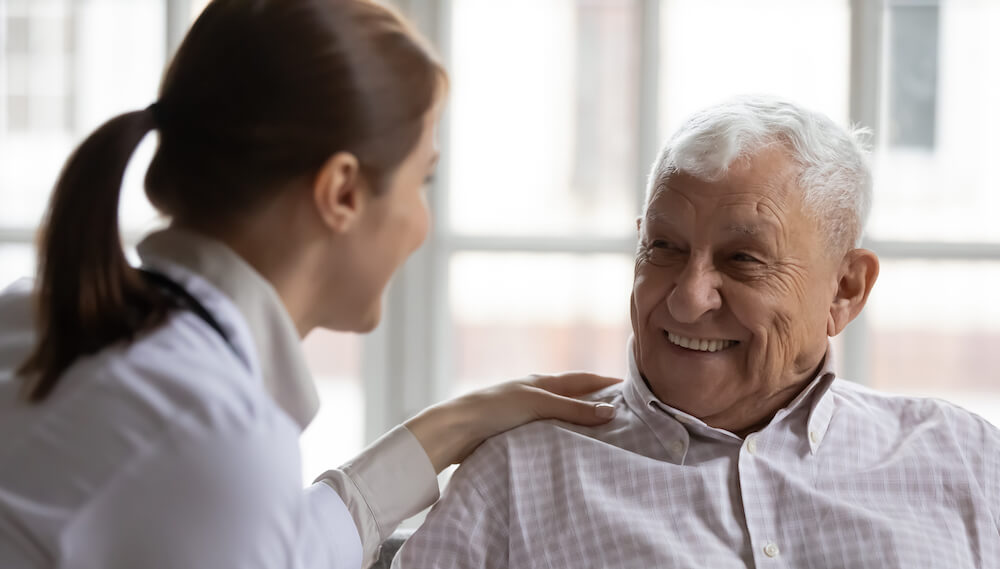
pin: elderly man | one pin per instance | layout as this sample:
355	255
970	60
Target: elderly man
735	445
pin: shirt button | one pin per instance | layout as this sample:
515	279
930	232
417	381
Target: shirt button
678	447
813	437
771	550
752	445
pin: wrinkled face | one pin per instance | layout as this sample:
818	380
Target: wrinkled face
732	292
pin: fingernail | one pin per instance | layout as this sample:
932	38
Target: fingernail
604	411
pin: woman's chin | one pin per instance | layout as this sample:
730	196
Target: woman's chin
358	323
370	319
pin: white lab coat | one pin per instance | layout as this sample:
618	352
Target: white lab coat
179	451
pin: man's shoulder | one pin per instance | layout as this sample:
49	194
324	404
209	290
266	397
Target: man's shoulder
521	458
908	410
863	395
548	432
547	444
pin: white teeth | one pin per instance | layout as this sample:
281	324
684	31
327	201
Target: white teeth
699	345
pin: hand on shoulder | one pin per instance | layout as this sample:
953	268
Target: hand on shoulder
451	430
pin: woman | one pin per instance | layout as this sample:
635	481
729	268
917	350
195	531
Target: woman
149	417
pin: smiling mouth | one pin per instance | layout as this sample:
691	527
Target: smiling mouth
700	345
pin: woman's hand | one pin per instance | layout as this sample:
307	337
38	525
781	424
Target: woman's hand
451	430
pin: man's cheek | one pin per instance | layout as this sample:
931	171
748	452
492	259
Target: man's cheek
771	346
634	311
645	293
784	336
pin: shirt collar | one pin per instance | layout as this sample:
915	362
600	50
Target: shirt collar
641	398
283	370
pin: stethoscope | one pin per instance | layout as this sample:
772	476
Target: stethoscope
183	300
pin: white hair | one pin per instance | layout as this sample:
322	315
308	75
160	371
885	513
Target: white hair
835	176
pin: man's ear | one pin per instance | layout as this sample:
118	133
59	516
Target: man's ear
857	275
339	192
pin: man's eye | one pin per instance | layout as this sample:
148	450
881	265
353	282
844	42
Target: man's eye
745	258
662	252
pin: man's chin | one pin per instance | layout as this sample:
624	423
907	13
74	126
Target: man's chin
687	387
709	377
702	369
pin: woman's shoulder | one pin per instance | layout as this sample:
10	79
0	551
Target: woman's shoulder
174	396
181	368
116	403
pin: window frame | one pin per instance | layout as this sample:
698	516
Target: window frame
402	357
407	363
413	363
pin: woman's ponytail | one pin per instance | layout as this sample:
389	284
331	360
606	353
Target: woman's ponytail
87	294
257	98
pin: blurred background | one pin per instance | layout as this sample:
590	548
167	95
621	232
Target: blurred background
557	110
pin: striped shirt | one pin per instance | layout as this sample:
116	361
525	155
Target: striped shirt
841	477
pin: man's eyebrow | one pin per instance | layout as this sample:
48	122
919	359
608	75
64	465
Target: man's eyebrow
658	217
743	228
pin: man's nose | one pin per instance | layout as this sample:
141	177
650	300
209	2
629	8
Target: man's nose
695	292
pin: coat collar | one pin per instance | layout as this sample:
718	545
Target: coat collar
279	357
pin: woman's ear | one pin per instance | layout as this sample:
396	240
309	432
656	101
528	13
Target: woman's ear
856	277
340	192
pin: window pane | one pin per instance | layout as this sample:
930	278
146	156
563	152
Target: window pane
912	76
934	174
17	34
934	329
543	125
519	313
336	434
73	66
711	51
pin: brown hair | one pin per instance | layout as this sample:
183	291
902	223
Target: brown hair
260	93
